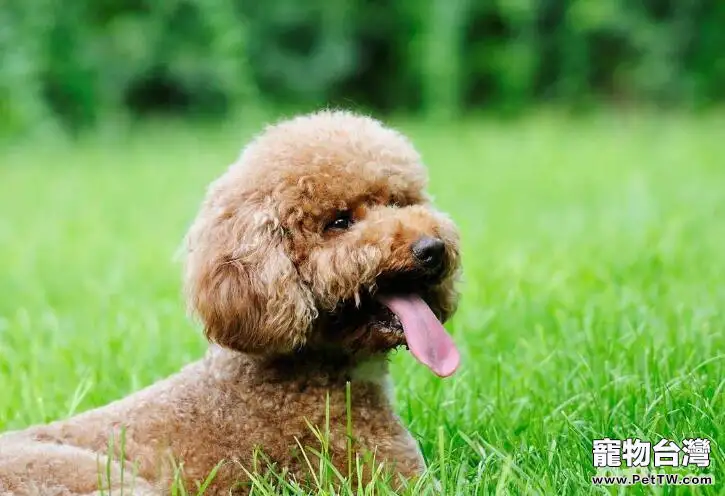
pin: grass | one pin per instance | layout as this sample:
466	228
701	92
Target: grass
594	254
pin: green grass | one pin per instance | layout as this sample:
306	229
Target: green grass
594	260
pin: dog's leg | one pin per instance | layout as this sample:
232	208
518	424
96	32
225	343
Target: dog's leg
35	468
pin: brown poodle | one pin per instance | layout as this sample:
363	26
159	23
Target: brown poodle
312	257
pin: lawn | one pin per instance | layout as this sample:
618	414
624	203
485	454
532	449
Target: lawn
593	301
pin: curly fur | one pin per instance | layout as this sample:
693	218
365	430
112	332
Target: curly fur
287	306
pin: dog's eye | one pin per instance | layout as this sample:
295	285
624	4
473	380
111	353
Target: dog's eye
342	220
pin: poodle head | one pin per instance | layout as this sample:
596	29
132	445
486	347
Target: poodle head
321	236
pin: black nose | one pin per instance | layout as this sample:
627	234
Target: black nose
429	251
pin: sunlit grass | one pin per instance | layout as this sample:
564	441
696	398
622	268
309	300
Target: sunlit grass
594	255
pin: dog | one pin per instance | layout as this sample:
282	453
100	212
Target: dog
312	257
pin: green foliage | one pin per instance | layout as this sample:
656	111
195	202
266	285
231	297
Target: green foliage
592	300
74	63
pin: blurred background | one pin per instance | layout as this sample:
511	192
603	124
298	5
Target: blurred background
73	65
578	145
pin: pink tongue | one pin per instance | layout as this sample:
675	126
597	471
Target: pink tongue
427	339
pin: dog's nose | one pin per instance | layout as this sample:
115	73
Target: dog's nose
429	251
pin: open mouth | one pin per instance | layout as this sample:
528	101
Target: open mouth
397	315
425	336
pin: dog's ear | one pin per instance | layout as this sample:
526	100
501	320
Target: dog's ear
242	284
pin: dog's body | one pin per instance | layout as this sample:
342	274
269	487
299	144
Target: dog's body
311	258
220	408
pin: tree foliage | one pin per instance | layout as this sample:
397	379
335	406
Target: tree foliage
74	63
